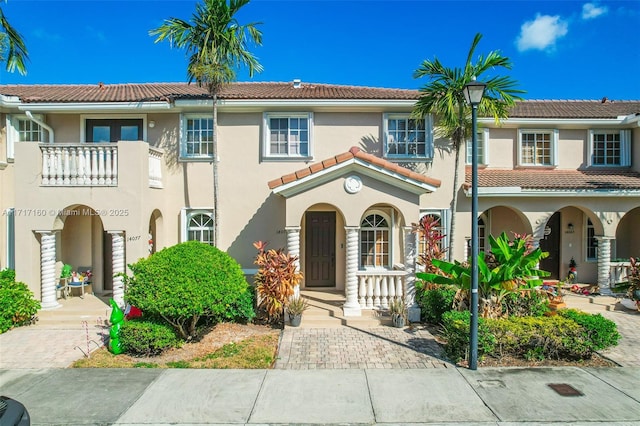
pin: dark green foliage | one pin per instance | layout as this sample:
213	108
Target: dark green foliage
434	301
187	282
525	303
17	305
571	335
601	332
147	338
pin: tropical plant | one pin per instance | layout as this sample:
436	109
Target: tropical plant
631	287
17	305
509	267
276	279
443	97
430	239
216	46
297	305
188	282
13	51
397	308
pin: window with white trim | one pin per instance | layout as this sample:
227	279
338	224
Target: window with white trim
442	216
197	225
537	147
483	152
610	147
407	138
197	136
592	242
374	241
21	128
288	135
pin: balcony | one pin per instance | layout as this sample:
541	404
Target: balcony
92	165
378	288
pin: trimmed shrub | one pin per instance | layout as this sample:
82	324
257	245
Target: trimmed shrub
601	332
141	337
435	301
187	282
456	332
527	303
17	305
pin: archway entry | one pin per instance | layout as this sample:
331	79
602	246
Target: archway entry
551	244
320	249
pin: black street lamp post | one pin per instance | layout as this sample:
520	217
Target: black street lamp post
473	92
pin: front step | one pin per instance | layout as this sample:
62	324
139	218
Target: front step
325	311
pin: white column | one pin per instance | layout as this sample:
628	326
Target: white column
413	310
117	258
293	247
48	270
351	306
604	264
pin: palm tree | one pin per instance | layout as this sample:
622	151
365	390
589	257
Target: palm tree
216	46
443	97
12	47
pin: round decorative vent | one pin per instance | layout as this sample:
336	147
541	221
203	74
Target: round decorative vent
352	184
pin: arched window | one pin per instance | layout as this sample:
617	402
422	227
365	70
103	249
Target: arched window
374	241
200	227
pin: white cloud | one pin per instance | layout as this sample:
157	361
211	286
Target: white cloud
591	10
541	33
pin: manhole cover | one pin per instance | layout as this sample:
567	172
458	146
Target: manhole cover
564	389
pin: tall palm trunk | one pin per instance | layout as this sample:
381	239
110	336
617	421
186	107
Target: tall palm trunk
216	214
454	205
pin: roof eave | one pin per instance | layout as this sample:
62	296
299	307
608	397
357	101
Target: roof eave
517	191
93	106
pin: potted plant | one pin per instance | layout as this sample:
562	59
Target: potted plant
297	305
398	311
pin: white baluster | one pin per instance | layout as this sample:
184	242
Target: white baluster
73	166
114	167
370	292
392	289
45	166
66	169
94	166
376	292
400	287
362	291
80	179
59	167
107	179
87	165
100	166
384	292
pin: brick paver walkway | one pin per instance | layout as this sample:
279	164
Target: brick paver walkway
349	347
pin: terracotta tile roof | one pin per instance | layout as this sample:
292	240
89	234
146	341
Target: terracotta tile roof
139	92
354	152
574	109
592	179
170	91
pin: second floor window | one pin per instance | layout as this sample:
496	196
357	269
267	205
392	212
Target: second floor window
288	135
197	137
610	147
28	131
407	138
482	138
537	147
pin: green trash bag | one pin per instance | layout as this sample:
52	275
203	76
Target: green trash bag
117	316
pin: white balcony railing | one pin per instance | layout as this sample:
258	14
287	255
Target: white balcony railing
79	164
376	289
618	272
155	167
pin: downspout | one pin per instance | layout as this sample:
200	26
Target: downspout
42	124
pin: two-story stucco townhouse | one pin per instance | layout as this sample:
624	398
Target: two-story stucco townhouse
99	176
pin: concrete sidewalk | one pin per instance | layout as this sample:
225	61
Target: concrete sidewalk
490	396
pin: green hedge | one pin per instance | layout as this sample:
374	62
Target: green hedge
142	337
572	335
434	302
17	305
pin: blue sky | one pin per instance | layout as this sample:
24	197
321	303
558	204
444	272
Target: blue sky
559	49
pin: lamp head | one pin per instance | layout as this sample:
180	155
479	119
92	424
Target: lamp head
474	91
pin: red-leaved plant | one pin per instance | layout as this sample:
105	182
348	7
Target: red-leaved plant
430	242
276	279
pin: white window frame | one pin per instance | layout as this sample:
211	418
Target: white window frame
266	135
483	147
184	156
13	134
428	130
444	215
185	216
390	222
553	140
625	147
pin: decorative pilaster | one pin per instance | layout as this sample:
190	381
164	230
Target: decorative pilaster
293	247
604	264
117	258
48	270
410	244
351	306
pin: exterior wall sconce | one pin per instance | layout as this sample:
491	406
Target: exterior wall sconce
570	228
152	124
